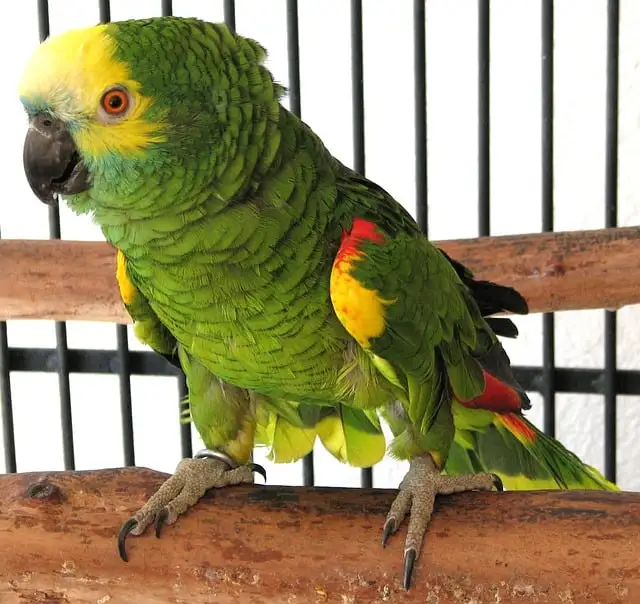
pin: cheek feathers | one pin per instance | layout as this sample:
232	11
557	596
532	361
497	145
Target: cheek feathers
69	73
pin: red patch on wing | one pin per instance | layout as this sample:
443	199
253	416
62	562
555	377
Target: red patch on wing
518	427
361	230
497	396
364	230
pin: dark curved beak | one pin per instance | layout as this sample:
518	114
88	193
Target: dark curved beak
51	160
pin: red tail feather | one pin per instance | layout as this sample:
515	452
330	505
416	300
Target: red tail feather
497	396
517	426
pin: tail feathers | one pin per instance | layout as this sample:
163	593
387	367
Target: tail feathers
497	396
524	457
505	328
497	363
491	298
502	393
562	466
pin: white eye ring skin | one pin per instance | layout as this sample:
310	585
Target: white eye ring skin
115	104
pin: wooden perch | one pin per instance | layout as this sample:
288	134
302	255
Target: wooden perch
278	544
66	280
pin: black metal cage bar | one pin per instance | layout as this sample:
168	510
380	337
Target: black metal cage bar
186	441
8	433
484	118
574	380
420	110
357	103
611	220
548	321
548	379
293	59
122	343
60	327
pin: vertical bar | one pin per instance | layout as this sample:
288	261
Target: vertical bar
611	220
420	104
230	14
8	433
124	371
60	327
484	209
357	104
293	62
104	8
293	56
357	86
166	8
186	442
548	386
43	19
126	410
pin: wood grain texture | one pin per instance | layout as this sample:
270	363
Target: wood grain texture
282	544
66	280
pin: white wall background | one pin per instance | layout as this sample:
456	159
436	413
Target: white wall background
326	106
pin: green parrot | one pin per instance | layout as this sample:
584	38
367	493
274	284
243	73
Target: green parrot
300	299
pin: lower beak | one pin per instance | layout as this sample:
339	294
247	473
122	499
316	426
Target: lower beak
51	160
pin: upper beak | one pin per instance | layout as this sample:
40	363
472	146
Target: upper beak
51	160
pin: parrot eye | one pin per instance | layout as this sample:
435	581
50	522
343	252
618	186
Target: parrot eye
115	103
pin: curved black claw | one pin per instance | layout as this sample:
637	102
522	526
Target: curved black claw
409	560
161	518
258	469
125	529
388	530
497	483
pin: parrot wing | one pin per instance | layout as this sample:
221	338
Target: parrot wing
146	324
401	299
378	206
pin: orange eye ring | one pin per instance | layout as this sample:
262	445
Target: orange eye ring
115	102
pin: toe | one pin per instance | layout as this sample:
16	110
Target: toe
125	529
410	556
161	519
240	475
400	507
258	469
390	527
497	482
421	511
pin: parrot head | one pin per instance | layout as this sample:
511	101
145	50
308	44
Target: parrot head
122	112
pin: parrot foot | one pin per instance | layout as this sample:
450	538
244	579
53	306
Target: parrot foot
191	480
417	493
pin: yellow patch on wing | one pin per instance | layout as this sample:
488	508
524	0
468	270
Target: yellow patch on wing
70	73
359	309
127	288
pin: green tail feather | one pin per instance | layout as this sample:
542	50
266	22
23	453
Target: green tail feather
541	463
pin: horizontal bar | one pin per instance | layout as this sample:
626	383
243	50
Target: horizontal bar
66	280
90	361
528	543
587	381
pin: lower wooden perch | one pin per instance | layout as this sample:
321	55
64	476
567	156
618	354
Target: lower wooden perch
277	544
